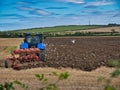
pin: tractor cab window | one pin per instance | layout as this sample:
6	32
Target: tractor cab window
33	39
29	39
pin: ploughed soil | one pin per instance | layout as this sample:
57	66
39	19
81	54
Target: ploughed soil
85	53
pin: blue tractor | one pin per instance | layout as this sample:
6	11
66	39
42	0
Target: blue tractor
34	41
31	52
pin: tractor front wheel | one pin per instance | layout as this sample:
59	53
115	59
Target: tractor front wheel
6	64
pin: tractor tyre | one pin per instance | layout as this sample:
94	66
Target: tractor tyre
6	64
42	56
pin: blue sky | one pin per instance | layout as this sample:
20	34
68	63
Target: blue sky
23	14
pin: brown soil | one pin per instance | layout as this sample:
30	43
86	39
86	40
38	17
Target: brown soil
87	53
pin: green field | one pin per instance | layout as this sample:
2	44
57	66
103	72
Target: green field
59	28
61	31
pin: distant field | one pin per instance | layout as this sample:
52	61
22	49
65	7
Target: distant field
101	29
60	28
71	30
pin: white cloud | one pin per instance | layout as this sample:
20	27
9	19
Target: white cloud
73	1
42	12
36	11
24	8
22	2
100	3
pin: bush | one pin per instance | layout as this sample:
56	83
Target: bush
51	86
10	85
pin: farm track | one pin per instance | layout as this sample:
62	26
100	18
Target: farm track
86	54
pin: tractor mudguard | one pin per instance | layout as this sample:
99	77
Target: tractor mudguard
41	46
23	45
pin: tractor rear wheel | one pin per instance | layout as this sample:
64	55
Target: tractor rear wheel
6	64
42	56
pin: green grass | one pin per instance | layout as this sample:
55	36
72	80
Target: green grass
59	28
13	48
5	47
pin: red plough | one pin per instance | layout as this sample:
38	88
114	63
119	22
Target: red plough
23	58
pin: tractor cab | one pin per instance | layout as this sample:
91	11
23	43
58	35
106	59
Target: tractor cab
33	41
